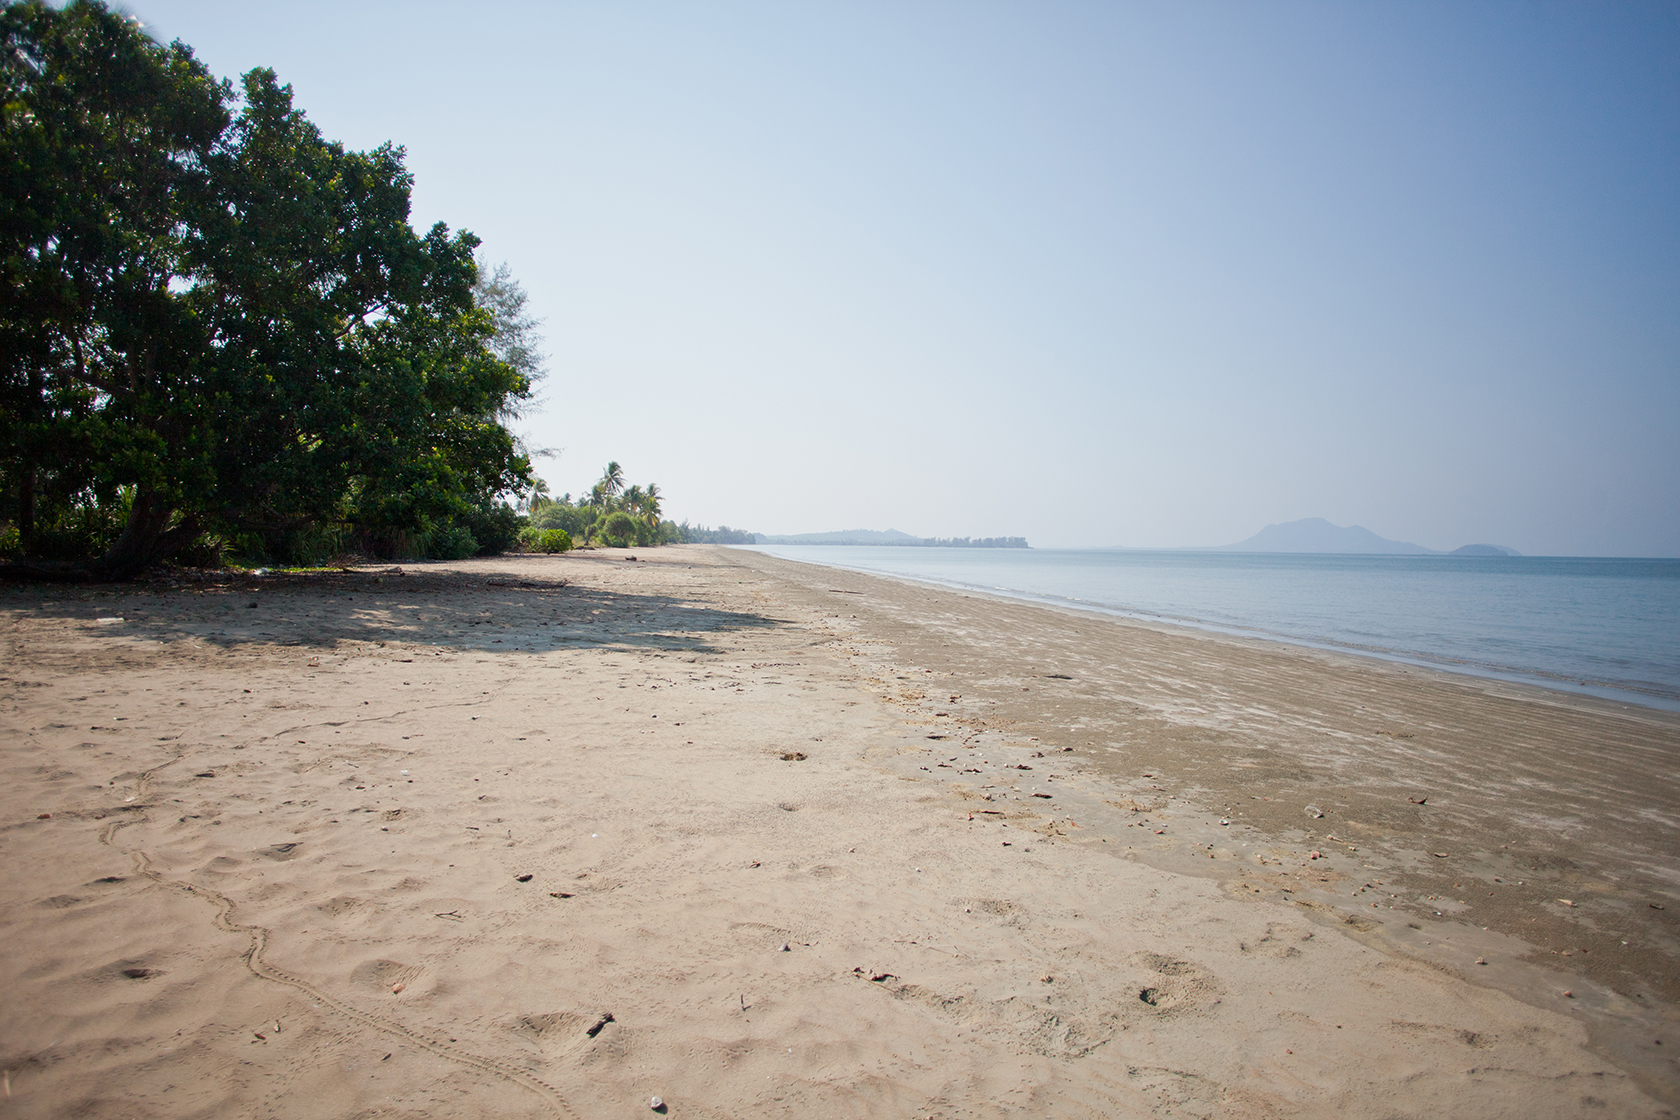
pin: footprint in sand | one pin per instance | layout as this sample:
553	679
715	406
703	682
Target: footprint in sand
1278	941
394	979
560	1031
1169	987
350	912
125	972
1013	913
1476	1040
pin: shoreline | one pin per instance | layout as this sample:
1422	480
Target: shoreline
1541	854
1622	693
550	836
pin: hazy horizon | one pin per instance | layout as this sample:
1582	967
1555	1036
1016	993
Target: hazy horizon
1121	546
1092	274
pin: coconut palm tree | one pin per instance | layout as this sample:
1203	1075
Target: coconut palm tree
612	480
536	498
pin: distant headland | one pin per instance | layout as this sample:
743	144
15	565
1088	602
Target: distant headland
893	537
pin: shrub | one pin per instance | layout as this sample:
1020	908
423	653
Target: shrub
208	551
454	542
554	540
560	515
619	529
494	526
85	527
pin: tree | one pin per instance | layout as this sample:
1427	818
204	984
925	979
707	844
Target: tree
612	481
515	340
536	497
227	321
105	144
618	529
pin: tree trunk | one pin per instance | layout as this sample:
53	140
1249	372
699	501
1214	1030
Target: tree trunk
26	504
147	538
26	476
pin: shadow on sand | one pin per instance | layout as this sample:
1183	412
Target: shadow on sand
488	611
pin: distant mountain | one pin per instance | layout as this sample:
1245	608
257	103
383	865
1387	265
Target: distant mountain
1314	534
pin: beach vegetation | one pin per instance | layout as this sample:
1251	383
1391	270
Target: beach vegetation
723	534
546	540
619	529
611	513
219	330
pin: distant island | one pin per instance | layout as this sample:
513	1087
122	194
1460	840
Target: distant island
1483	550
1314	534
892	537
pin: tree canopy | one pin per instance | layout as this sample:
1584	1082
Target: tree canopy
215	320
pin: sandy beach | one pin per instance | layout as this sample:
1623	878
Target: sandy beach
555	836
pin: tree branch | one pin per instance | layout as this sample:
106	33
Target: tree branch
80	373
101	384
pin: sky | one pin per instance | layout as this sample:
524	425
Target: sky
1142	274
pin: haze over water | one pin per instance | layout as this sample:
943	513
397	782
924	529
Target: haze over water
1607	627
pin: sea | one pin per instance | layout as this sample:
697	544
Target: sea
1604	627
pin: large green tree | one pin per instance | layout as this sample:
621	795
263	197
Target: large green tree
215	318
106	136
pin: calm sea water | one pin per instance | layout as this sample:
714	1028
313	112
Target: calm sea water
1601	626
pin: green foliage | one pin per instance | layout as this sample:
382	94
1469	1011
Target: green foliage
208	551
454	542
618	529
575	520
553	540
221	321
306	545
495	526
77	527
723	534
620	515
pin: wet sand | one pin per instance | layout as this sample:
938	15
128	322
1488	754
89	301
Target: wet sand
550	836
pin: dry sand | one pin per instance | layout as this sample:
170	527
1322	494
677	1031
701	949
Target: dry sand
553	836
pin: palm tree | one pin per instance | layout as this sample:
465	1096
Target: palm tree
609	495
612	480
536	499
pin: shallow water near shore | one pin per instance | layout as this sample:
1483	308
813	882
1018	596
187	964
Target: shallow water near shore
1604	627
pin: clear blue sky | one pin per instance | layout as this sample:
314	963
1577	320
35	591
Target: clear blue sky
1108	273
